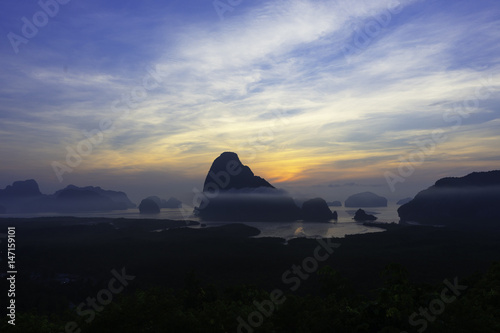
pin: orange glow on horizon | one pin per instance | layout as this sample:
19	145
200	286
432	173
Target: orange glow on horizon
292	166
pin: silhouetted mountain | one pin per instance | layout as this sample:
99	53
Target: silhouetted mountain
475	179
316	210
366	199
74	194
21	189
232	192
79	200
25	197
403	201
227	172
361	216
472	200
117	196
18	196
149	206
156	199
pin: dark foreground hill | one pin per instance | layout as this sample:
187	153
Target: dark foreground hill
203	280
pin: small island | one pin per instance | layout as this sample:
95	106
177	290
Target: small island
362	216
366	199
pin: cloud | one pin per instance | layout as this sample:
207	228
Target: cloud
272	82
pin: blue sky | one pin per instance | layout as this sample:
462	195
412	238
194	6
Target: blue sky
321	98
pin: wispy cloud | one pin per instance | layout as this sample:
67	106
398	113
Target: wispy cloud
272	82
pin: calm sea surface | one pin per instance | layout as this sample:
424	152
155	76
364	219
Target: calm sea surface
344	226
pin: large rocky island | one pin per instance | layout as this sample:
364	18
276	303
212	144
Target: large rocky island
231	192
470	201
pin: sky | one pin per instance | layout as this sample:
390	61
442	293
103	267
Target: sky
321	98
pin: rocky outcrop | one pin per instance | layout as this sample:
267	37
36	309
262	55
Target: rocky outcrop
316	210
156	199
361	216
472	200
120	198
149	206
231	192
25	197
20	196
366	199
21	189
227	172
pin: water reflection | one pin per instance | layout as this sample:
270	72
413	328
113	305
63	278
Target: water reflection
344	226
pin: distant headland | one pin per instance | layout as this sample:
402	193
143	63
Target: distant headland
470	201
25	197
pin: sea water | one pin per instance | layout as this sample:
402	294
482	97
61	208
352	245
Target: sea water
345	225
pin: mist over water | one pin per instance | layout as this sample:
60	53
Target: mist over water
345	225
